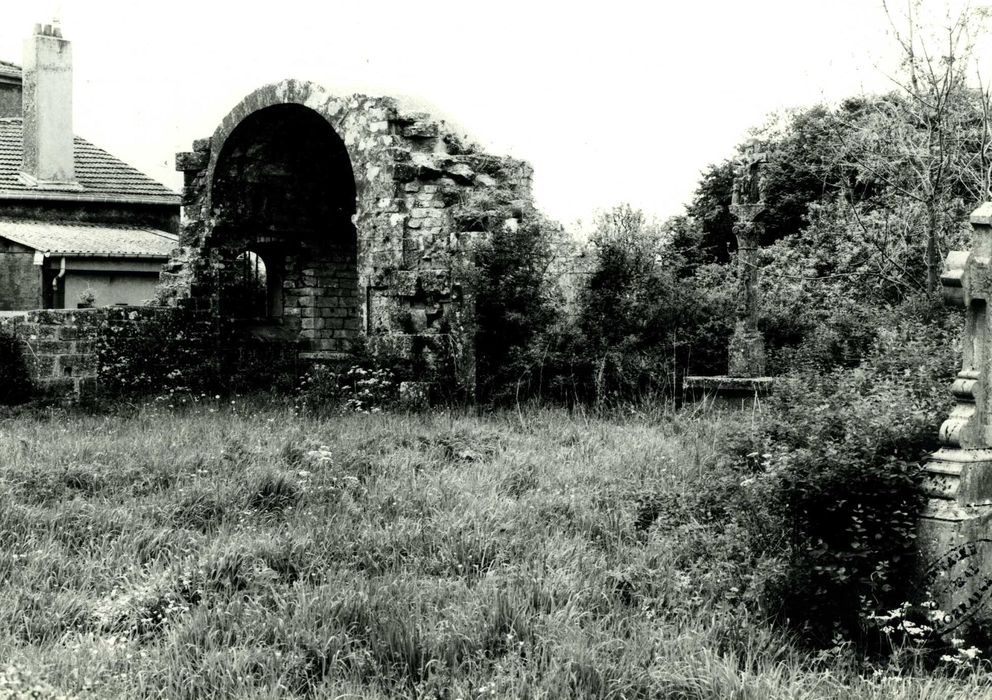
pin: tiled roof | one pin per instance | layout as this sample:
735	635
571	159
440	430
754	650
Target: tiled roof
102	177
89	240
10	70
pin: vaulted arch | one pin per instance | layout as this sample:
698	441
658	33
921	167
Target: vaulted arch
282	187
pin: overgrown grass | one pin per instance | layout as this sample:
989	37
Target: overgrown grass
230	551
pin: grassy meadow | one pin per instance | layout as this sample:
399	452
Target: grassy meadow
231	550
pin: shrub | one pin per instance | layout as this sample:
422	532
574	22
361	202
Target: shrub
325	390
834	491
643	320
178	354
170	351
516	308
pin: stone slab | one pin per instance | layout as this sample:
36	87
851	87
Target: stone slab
730	385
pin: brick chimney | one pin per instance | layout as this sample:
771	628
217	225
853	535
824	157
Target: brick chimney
47	109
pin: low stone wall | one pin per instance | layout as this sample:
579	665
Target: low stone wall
61	345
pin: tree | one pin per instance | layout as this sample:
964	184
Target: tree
710	207
516	305
642	315
928	141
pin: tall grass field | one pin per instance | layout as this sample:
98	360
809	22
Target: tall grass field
240	551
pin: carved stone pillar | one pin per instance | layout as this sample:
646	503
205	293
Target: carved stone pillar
955	533
746	354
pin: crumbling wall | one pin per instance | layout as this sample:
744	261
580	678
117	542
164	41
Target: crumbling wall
421	198
61	347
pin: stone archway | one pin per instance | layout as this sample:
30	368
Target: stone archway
363	214
282	188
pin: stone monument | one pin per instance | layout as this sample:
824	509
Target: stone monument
747	347
955	530
745	379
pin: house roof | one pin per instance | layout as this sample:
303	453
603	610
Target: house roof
101	176
10	70
89	240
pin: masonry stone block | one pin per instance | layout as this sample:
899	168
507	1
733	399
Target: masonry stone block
64	387
77	365
196	160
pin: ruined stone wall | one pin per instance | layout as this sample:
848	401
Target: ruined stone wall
421	198
60	345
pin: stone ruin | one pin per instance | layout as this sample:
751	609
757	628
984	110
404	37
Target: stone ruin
745	379
320	222
363	215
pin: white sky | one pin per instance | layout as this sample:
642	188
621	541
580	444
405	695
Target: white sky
610	101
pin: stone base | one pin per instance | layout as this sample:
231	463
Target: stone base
954	538
746	353
728	392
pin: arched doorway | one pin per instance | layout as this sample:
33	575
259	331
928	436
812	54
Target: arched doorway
282	201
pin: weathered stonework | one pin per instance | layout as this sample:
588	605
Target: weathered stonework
363	214
747	347
955	531
60	346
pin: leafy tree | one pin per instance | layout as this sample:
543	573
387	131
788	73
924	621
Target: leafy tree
710	207
642	317
684	246
516	306
928	142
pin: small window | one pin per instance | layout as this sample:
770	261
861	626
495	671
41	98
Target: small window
249	286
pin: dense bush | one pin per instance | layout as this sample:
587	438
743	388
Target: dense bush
835	467
325	390
644	312
15	384
170	351
642	321
177	353
516	309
